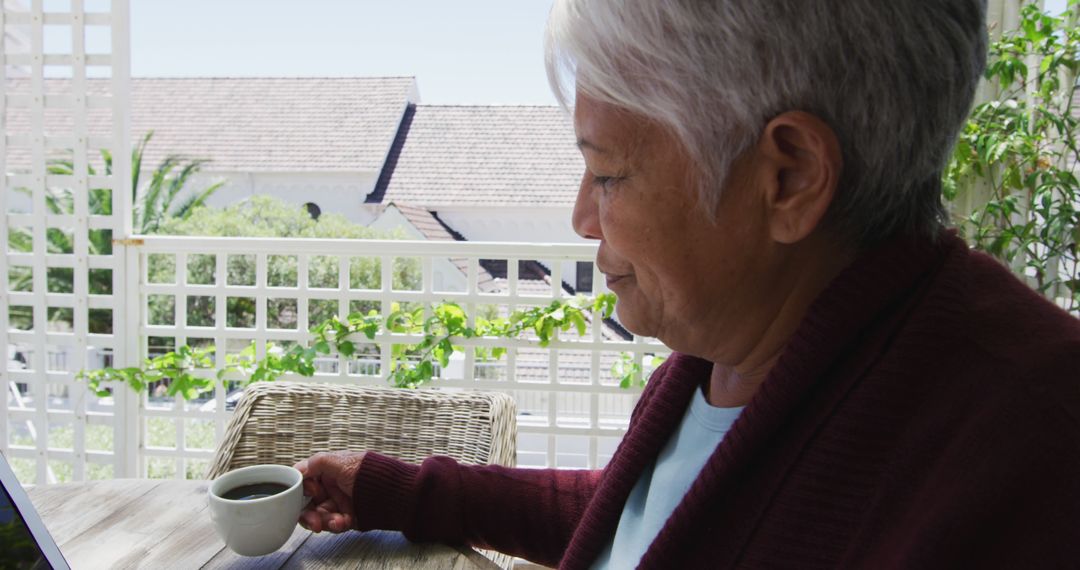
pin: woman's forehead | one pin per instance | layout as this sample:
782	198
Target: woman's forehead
606	130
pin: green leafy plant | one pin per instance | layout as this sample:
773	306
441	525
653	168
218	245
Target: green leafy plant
630	373
1011	179
179	367
412	364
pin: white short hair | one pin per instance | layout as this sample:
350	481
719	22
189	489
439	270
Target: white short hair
894	79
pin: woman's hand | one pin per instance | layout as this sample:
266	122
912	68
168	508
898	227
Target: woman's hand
328	480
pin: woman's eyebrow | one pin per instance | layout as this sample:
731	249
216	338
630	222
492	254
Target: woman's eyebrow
583	144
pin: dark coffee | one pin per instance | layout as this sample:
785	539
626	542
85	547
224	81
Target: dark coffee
254	491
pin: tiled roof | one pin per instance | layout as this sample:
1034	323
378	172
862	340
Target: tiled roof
425	221
484	156
261	124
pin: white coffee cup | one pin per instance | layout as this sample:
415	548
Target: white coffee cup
254	527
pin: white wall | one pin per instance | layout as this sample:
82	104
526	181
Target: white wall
520	224
517	224
334	193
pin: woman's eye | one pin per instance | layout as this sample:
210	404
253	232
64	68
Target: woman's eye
605	182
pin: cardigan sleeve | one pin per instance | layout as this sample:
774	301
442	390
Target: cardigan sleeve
530	513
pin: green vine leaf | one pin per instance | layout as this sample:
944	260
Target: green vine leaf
411	365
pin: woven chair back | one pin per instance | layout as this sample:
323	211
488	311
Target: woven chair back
283	423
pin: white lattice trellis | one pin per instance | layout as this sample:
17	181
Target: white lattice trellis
63	306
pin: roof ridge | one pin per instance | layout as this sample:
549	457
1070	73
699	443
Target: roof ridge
390	161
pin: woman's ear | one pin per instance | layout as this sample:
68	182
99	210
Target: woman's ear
801	161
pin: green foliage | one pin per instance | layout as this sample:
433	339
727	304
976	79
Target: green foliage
412	365
1014	163
630	373
265	216
181	368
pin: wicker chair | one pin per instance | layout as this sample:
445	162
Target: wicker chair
283	423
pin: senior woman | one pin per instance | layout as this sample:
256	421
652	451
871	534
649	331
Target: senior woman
852	386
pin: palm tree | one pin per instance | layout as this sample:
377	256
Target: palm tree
154	204
158	200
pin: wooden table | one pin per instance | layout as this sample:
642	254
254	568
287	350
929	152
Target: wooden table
141	523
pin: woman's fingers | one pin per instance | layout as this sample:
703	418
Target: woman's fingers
320	471
318	517
328	480
313	489
301	466
342	500
311	520
339	522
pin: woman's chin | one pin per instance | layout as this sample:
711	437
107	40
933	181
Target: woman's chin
632	318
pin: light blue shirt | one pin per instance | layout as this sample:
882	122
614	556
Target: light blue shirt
662	485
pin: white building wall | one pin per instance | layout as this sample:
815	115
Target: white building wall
334	193
517	224
513	224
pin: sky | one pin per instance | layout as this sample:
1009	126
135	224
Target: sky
460	51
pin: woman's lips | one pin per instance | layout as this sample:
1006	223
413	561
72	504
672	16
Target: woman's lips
611	277
612	280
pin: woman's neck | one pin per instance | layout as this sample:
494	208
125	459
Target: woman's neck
819	262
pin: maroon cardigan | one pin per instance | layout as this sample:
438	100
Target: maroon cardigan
926	413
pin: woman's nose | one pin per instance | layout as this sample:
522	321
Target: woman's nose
586	217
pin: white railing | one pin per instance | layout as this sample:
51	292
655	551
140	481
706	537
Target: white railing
572	411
